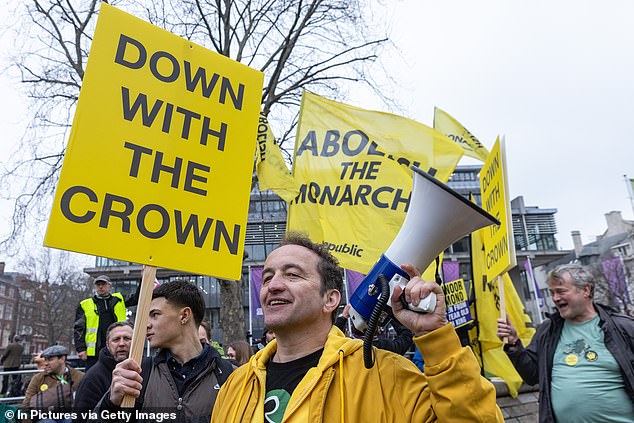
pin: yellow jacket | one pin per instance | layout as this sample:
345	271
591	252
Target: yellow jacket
341	389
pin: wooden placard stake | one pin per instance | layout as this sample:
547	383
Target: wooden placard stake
502	304
140	323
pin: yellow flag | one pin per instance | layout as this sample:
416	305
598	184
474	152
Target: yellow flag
352	168
270	166
454	130
487	294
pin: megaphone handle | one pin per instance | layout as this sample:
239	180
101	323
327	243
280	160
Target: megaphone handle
426	305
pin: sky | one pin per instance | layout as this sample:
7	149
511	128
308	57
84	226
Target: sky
556	78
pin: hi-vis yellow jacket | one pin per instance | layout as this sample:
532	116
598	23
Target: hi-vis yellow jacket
92	320
341	389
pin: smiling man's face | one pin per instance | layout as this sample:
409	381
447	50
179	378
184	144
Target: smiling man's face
574	304
291	294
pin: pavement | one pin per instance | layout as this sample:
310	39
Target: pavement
523	409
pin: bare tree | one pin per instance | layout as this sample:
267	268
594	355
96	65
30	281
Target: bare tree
610	287
231	311
317	45
53	288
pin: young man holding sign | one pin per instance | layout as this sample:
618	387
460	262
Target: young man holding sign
312	373
184	376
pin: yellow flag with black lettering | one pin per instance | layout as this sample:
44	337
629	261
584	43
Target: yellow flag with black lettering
352	169
449	126
270	166
487	295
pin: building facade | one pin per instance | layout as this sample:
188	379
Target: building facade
611	258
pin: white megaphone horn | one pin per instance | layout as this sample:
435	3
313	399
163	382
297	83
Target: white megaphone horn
437	217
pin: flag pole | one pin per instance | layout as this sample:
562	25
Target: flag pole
532	282
250	308
346	293
475	306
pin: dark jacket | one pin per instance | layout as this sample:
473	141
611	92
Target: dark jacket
535	362
160	394
402	343
12	356
94	384
105	310
72	376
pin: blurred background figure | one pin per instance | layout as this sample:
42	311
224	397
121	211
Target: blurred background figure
267	336
39	361
400	343
239	352
11	360
204	335
54	388
204	332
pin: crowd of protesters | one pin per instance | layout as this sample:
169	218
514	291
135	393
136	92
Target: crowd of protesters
582	356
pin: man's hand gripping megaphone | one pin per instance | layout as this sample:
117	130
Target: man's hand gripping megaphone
416	291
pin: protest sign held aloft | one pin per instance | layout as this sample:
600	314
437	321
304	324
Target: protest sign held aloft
156	168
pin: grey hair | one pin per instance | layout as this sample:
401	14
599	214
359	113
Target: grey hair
117	325
579	276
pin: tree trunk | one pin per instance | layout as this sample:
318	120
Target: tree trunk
231	311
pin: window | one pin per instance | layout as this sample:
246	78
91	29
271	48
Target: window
8	312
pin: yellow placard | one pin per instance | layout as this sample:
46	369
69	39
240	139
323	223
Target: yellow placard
158	169
352	169
487	295
498	239
455	292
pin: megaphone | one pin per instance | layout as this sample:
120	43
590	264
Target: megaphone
437	217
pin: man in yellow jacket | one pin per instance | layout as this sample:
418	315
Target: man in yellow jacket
313	373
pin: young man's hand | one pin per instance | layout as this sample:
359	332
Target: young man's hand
126	380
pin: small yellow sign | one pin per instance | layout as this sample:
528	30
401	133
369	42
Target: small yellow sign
158	165
499	245
457	301
455	292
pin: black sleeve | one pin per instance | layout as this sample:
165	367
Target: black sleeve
105	404
105	408
80	329
526	360
403	341
340	322
88	393
133	299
